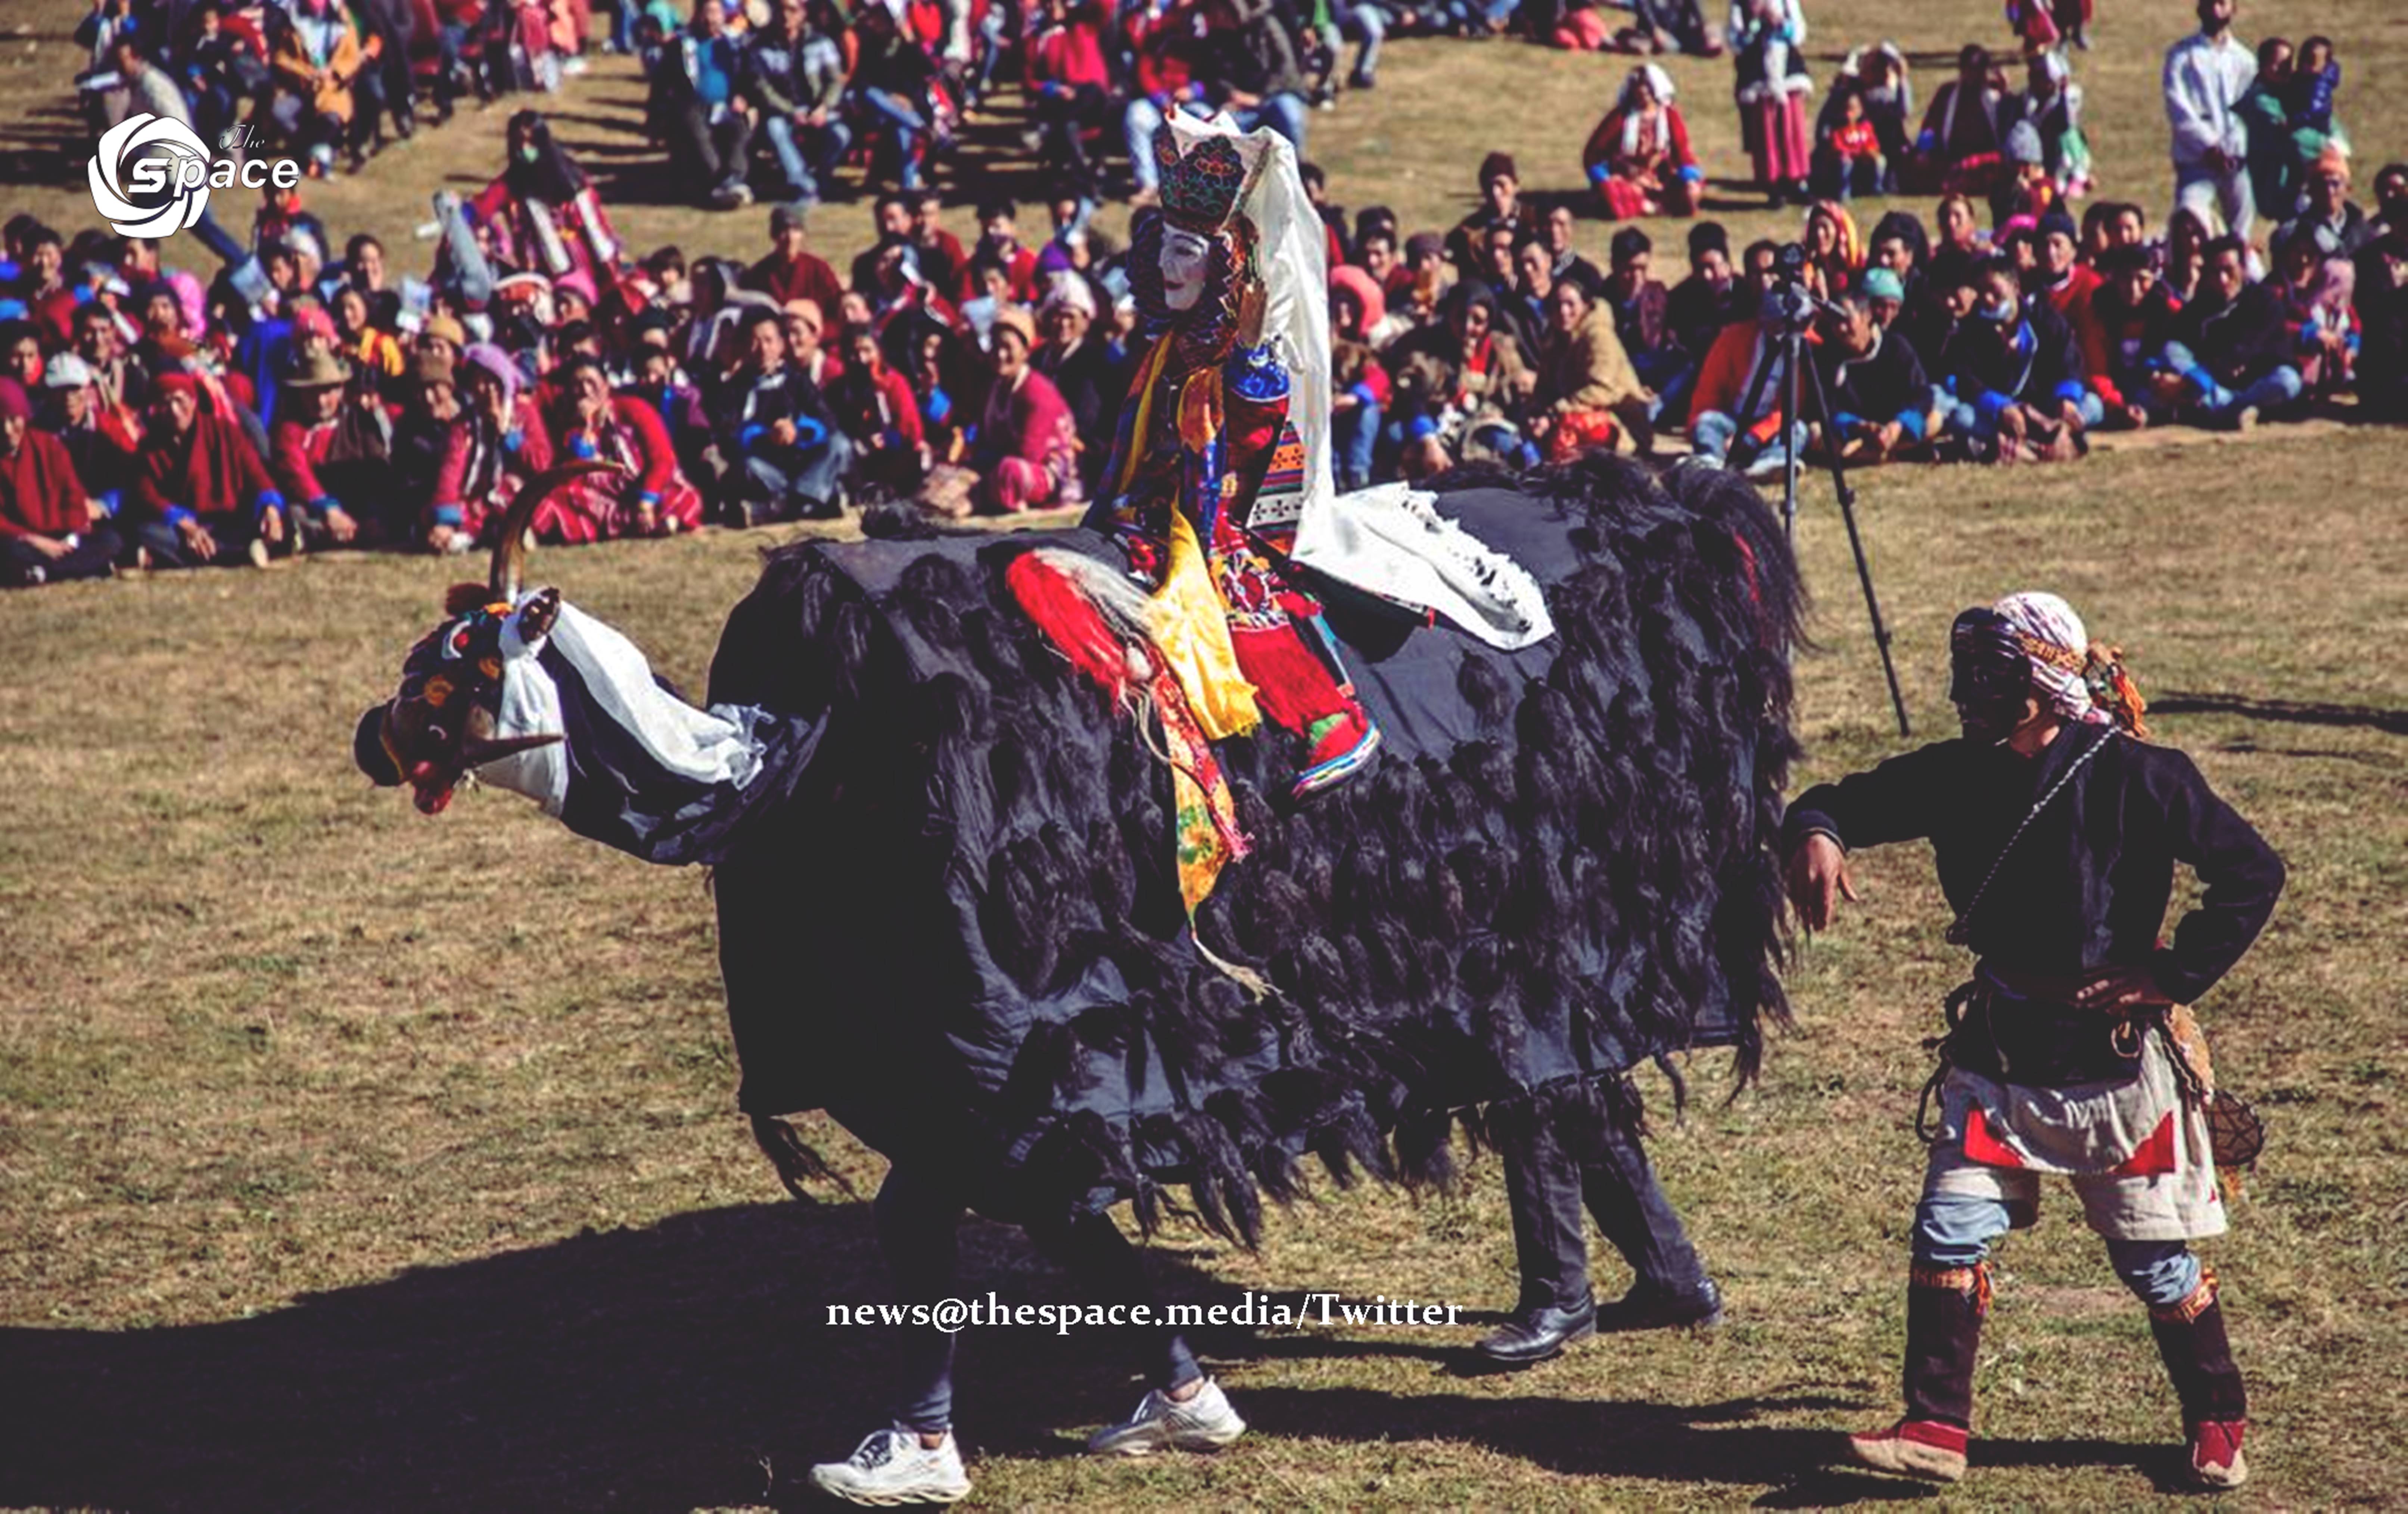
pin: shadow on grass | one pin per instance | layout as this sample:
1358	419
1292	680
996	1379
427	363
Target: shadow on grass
2285	712
686	1364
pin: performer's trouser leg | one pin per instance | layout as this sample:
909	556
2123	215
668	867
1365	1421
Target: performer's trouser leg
2188	1324
1108	1270
1542	1192
1947	1297
1632	1210
918	1219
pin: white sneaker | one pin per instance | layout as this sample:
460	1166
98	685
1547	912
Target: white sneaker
1203	1423
893	1467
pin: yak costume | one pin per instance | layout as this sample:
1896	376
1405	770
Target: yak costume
2059	867
995	894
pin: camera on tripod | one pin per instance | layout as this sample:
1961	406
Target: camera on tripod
1791	303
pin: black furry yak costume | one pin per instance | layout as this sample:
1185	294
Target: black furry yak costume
961	932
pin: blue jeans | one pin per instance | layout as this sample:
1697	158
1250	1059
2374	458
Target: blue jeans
797	482
1138	123
1953	1230
805	170
1713	434
902	123
1284	113
1354	436
1366	24
2218	405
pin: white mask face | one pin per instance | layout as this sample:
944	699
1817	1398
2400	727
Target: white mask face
1186	263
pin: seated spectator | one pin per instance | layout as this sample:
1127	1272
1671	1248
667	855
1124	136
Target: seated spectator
1555	236
543	215
1461	386
2381	306
1735	409
2338	227
99	441
304	442
1092	379
792	271
1961	148
889	99
1025	449
2189	230
2046	25
201	494
2051	103
649	496
1696	309
880	417
1068	88
1159	41
1587	393
695	106
1641	308
2234	357
806	352
1639	159
2316	291
2132	319
317	58
1524	309
1501	204
499	441
47	530
1249	68
1885	300
786	455
423	426
794	79
2014	373
1848	159
1960	229
1498	274
2062	278
1360	392
1885	88
1835	254
1880	400
1429	287
999	243
890	219
942	261
361	342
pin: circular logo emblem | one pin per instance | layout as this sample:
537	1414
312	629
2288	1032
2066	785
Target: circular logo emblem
163	161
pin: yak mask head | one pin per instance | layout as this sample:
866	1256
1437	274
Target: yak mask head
446	719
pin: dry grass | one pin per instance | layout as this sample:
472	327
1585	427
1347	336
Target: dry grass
352	1161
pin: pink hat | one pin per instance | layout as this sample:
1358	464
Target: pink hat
1366	290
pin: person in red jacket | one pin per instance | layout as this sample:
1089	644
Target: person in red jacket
201	494
792	271
499	442
1026	453
651	497
1638	158
47	530
880	414
310	405
1070	87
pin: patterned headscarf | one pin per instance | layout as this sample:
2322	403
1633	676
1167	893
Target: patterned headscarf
2083	680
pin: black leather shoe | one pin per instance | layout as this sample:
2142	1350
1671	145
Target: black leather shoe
1647	1308
1533	1335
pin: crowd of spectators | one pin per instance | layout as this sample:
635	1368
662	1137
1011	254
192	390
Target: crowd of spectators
308	396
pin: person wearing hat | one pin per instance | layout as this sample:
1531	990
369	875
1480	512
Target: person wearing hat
1026	452
1093	379
1878	398
497	443
301	444
1884	296
1501	204
2056	826
201	494
422	431
48	529
99	441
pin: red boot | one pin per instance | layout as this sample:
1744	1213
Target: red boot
1341	745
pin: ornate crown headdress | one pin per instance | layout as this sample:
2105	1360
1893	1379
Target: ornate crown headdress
1201	187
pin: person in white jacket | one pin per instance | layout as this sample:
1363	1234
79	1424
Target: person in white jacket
2206	76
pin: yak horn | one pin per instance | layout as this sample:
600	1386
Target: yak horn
509	544
475	751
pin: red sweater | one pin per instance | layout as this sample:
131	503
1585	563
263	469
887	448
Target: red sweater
39	491
807	277
293	451
211	470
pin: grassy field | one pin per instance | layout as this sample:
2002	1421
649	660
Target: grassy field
354	1161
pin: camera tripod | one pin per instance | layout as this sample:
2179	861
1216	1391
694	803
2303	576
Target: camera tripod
1795	306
